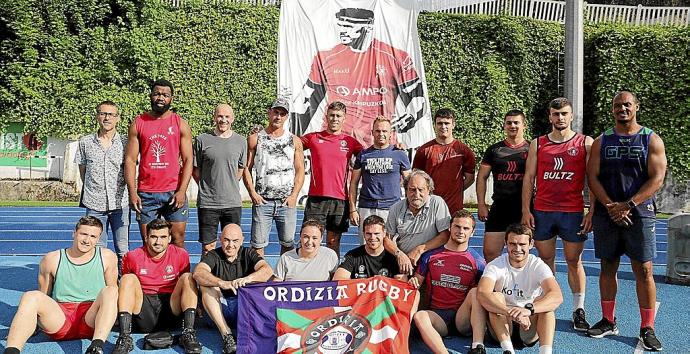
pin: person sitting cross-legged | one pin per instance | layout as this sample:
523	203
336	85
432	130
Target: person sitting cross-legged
157	290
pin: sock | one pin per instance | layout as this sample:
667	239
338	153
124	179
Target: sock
188	318
97	343
647	317
608	309
11	350
578	301
125	319
476	344
545	349
507	345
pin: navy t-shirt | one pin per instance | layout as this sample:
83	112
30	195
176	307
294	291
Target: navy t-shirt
381	171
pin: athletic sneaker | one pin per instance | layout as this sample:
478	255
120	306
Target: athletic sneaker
477	350
94	349
579	321
602	329
649	340
124	344
229	346
190	342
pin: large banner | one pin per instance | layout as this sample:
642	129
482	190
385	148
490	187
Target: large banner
363	53
348	316
20	149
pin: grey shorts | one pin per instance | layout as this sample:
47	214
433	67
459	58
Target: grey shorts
637	241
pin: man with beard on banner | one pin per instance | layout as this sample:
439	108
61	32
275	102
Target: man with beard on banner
161	138
370	76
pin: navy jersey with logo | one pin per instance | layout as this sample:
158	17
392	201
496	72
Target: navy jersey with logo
623	167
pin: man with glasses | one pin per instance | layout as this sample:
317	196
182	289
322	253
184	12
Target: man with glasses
159	139
277	161
104	193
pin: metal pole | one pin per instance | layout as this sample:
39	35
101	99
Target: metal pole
574	59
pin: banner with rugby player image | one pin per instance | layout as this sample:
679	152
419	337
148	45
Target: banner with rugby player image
363	53
348	316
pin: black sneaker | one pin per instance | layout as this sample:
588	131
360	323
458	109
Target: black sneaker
229	346
124	344
580	323
477	350
190	342
602	329
649	340
94	349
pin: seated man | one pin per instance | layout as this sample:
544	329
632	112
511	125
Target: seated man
76	296
371	258
157	287
521	294
310	262
451	273
221	272
417	223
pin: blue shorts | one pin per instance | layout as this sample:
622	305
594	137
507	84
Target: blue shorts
448	316
228	305
564	224
638	241
157	205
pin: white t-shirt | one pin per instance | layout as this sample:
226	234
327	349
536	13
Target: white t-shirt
518	285
291	267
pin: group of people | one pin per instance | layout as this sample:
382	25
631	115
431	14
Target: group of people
421	237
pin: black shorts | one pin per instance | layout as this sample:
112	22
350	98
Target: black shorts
155	315
502	214
330	212
210	218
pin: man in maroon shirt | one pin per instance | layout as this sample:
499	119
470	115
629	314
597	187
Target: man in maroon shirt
159	139
448	161
157	290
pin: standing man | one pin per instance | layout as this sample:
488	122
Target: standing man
219	159
447	160
76	296
627	168
277	159
370	259
161	138
557	162
100	158
521	295
417	223
380	167
331	151
157	291
221	273
505	161
451	274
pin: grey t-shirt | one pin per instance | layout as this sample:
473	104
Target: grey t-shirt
219	160
320	268
414	230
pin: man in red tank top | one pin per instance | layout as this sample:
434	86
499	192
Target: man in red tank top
556	163
160	140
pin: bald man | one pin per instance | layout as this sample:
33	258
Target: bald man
221	272
159	139
219	160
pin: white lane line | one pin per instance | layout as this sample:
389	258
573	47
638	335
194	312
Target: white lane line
639	349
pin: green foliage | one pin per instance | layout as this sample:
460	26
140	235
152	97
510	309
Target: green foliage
58	59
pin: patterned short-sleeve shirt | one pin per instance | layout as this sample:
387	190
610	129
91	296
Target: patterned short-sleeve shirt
104	181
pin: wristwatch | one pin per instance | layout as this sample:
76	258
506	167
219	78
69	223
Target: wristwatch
631	204
530	307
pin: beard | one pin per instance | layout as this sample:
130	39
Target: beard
159	109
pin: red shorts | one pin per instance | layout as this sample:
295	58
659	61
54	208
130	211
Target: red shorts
75	326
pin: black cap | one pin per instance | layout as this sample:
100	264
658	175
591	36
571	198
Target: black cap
355	15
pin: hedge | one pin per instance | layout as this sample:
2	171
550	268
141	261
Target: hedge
59	58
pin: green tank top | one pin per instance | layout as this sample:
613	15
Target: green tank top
78	283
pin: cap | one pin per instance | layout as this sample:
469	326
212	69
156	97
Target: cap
281	102
355	15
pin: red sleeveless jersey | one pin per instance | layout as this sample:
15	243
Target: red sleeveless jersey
560	174
159	147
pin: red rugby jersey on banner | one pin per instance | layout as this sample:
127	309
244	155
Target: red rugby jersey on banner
159	147
157	276
560	174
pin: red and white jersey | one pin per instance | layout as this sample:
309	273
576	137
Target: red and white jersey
561	169
157	276
366	82
159	147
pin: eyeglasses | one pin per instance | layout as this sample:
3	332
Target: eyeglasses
107	114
